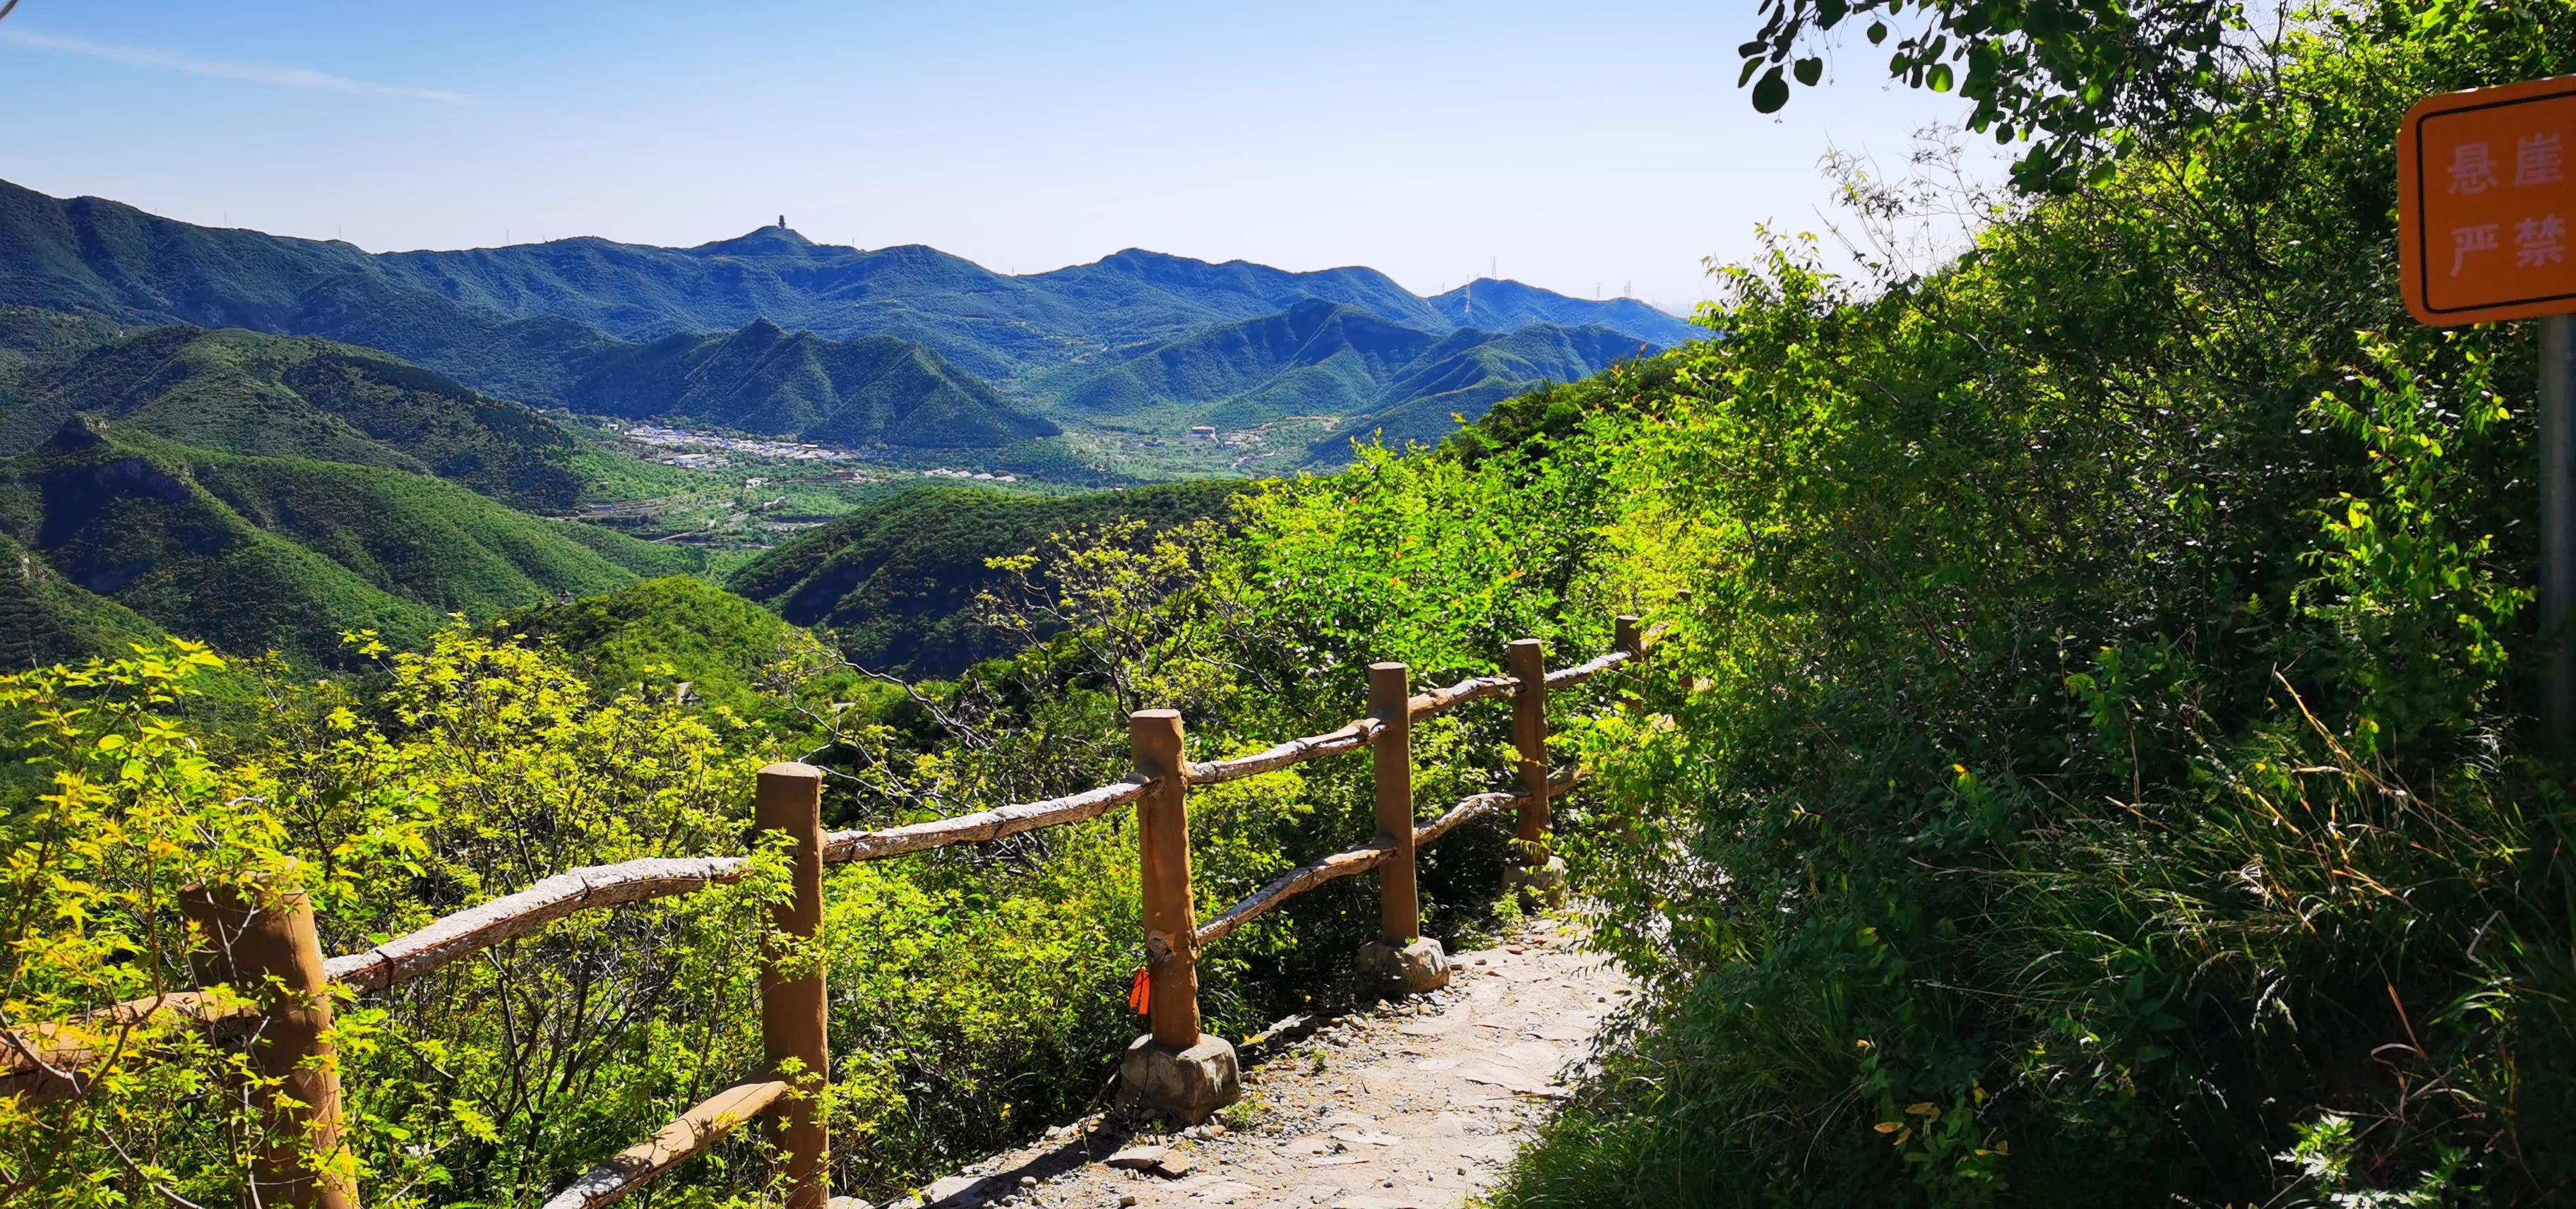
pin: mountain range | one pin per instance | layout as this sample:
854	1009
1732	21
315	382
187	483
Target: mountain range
1322	358
875	390
773	333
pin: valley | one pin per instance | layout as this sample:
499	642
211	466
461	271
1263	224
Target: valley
670	410
731	497
900	348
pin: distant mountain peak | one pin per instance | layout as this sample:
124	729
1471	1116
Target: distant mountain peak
765	241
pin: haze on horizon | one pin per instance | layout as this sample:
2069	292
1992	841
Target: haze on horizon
1578	149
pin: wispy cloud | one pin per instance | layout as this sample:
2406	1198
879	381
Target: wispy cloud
254	73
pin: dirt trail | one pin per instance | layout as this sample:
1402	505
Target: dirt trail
1418	1103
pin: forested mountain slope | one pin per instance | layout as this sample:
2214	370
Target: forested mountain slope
726	648
101	259
1470	371
253	554
243	392
875	390
992	324
46	619
1308	357
1319	358
897	580
1502	306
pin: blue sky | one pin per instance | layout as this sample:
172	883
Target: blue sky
1580	145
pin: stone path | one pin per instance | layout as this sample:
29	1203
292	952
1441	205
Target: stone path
1418	1103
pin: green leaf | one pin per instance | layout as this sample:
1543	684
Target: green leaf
1810	70
1940	77
1771	93
1877	32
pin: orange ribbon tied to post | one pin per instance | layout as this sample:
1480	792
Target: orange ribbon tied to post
1141	994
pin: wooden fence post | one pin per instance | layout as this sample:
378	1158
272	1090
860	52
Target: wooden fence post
1391	703
1172	1067
262	943
1540	876
1400	961
1528	660
1163	842
1629	637
792	1006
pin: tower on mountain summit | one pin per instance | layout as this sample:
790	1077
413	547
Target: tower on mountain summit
782	222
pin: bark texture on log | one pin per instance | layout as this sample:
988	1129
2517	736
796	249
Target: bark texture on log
691	1132
983	825
795	1017
1473	688
1399	900
1159	748
1467	808
566	894
1347	863
477	928
46	1062
1354	861
1588	669
263	942
1350	738
1353	736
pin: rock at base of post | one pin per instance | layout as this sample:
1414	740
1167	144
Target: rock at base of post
1538	885
1394	969
1190	1084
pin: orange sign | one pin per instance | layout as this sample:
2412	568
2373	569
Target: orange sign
2485	203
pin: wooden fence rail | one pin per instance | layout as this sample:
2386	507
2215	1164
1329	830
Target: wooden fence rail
268	944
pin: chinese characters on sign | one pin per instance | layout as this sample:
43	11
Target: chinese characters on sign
2484	202
2536	241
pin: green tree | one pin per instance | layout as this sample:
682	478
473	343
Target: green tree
2076	78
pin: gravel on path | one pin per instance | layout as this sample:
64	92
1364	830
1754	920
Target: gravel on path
1414	1103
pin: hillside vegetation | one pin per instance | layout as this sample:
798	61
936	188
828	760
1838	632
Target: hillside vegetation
48	620
980	994
1324	359
2098	766
682	629
254	554
244	392
876	390
896	581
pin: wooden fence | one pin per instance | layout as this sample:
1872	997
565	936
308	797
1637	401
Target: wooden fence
268	942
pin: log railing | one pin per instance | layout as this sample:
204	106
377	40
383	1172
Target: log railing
266	942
